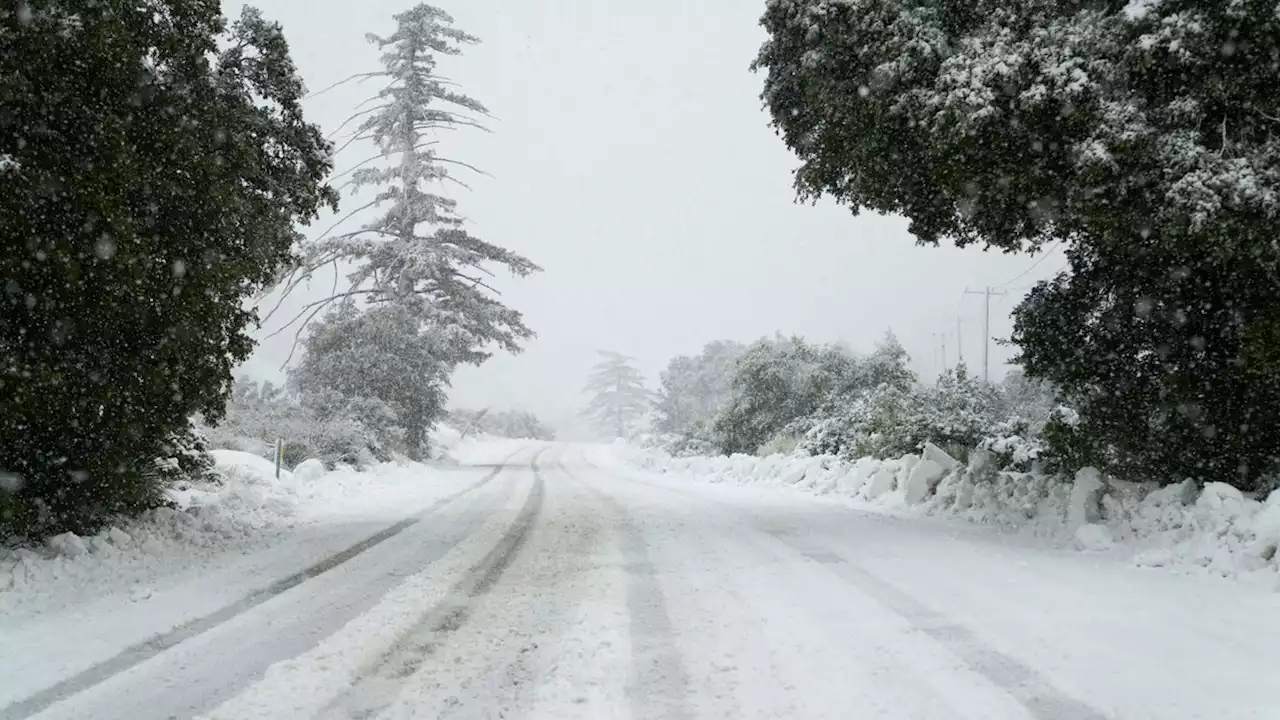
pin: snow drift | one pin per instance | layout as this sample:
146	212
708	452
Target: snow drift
1215	530
242	508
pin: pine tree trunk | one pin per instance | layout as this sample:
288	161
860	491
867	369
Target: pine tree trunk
407	162
618	403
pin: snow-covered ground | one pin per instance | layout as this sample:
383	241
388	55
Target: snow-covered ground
1217	531
223	542
564	582
248	510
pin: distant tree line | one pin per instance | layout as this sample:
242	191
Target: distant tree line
515	424
784	394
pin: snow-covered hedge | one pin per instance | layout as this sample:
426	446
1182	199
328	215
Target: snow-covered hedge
1216	529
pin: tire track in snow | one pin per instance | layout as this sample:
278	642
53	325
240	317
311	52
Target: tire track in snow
147	649
1027	686
542	643
659	684
378	688
1031	689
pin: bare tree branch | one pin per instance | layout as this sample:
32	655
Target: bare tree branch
455	180
459	163
346	122
361	76
355	136
343	219
475	282
321	303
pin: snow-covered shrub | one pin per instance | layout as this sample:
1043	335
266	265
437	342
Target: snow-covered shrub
186	457
866	425
891	421
695	444
777	383
259	415
694	389
956	413
780	444
1013	445
789	388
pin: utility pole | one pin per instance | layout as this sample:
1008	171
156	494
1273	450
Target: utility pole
959	342
986	294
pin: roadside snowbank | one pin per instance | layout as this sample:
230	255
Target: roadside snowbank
1216	530
244	508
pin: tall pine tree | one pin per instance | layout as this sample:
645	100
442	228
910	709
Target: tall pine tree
415	254
619	397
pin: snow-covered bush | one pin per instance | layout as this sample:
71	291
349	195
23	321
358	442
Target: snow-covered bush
846	428
886	421
787	387
260	414
1012	445
186	457
955	413
694	389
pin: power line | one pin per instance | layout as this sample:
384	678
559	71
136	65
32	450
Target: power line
1034	265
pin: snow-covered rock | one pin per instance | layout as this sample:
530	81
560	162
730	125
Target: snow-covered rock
309	470
68	545
921	481
937	455
247	467
885	480
964	493
1093	537
1086	498
1219	502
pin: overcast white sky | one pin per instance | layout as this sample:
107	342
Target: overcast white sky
631	158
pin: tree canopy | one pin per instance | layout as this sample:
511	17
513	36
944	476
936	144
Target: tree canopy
1141	137
153	166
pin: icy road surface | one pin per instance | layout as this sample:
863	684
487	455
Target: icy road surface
556	585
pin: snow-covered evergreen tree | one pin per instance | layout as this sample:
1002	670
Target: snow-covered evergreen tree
417	270
618	395
415	252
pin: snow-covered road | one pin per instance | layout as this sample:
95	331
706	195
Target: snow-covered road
561	585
